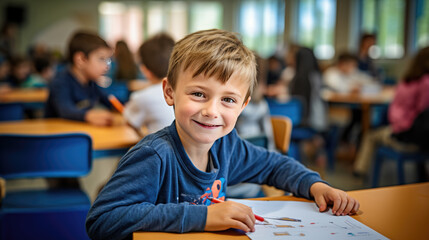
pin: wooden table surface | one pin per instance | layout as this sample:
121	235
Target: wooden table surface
25	95
113	137
385	96
399	212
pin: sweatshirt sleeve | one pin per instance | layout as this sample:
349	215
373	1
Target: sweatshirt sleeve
257	165
63	103
128	202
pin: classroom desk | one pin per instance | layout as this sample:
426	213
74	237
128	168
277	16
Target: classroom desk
364	100
399	212
25	95
107	141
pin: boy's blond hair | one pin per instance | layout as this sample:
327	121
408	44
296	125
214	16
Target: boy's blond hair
213	53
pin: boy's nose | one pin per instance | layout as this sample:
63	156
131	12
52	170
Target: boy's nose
210	109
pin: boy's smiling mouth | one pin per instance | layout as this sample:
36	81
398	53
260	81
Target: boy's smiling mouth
205	125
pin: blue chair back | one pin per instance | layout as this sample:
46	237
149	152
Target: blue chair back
59	155
291	109
11	112
261	141
119	89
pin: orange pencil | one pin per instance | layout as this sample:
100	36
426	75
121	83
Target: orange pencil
116	103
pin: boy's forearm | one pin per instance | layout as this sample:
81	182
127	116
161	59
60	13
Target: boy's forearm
123	221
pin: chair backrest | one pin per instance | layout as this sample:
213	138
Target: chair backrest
58	155
292	109
261	141
11	112
282	129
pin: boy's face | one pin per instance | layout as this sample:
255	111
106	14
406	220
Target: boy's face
348	67
97	63
205	108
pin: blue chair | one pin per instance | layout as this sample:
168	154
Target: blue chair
387	153
293	109
11	111
47	213
119	89
261	141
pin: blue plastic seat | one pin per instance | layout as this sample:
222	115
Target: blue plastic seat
261	141
48	213
388	153
11	112
292	109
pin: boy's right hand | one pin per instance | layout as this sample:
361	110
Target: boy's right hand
229	214
99	117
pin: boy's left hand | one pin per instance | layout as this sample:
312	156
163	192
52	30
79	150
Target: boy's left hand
325	195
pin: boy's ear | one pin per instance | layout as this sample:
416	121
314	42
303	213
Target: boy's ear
168	92
245	103
79	59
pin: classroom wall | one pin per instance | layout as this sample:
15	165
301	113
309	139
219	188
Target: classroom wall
43	15
54	20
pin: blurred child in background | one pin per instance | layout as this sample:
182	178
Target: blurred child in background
43	73
20	69
123	65
344	76
147	107
4	73
411	99
73	93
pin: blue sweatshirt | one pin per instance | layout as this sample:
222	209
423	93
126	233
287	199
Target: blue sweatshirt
71	100
156	187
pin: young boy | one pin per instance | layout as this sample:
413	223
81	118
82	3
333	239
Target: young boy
166	181
147	106
73	93
344	76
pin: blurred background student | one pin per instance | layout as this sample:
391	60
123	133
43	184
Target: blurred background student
307	85
43	72
344	76
365	62
73	93
411	99
20	69
147	107
4	73
123	68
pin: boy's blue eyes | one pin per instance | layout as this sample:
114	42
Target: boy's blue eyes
227	99
198	94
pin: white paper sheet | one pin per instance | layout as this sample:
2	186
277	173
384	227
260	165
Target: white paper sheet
313	225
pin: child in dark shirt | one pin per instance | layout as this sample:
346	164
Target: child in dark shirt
73	93
166	181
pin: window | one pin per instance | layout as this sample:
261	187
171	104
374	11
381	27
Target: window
135	21
205	15
261	24
422	22
385	18
316	26
120	21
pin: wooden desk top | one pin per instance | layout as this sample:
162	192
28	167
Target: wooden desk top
399	212
385	96
103	138
25	95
